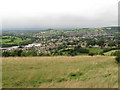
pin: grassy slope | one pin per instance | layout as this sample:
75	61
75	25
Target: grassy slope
60	72
110	52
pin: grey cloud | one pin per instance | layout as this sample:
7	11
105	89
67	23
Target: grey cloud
106	18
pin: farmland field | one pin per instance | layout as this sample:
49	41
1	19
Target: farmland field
7	40
60	72
95	50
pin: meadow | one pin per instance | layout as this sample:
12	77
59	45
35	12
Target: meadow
8	41
60	72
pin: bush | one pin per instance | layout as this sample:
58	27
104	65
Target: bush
16	52
91	54
6	54
24	54
116	53
31	53
117	59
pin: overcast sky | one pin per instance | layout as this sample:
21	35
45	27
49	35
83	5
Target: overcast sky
58	14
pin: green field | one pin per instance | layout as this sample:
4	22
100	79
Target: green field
12	40
95	50
60	72
16	40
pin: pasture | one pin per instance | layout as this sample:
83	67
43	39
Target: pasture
8	41
60	72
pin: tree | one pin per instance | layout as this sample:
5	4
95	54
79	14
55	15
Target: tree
23	54
101	43
31	53
112	43
16	52
6	54
91	42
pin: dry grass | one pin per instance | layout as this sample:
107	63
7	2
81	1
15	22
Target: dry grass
60	72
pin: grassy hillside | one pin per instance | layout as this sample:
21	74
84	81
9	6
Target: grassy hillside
82	30
110	52
92	30
60	72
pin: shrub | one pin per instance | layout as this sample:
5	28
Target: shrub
117	59
6	54
91	54
116	53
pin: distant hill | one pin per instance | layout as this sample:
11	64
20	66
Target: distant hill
81	31
111	29
77	32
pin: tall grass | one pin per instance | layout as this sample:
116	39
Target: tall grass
60	72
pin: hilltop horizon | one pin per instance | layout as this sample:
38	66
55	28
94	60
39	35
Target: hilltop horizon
4	29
